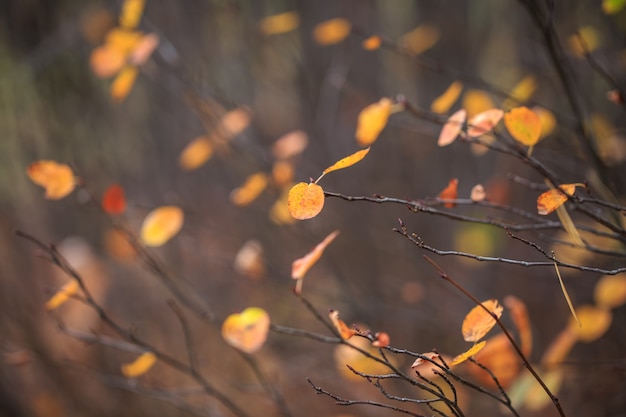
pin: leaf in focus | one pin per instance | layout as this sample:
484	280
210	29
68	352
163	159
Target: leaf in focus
585	41
382	340
346	355
279	23
612	6
372	120
161	224
123	83
501	359
113	200
106	61
61	296
450	193
331	31
342	328
547	120
57	179
195	154
283	173
420	39
290	144
131	12
484	122
443	103
346	162
519	315
610	291
372	43
458	359
522	91
524	125
476	101
552	199
249	260
305	200
249	190
139	366
247	331
301	266
452	128
595	321
478	322
144	49
478	193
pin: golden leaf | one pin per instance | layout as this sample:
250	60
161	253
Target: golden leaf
61	296
161	224
106	61
372	120
57	179
247	331
331	31
524	125
594	322
420	39
123	83
443	103
305	200
279	23
196	153
610	291
139	366
131	13
458	359
478	322
250	190
346	162
476	101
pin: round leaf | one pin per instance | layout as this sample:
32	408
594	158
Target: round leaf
247	331
57	179
305	200
524	125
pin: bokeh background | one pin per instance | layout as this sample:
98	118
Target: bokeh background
52	106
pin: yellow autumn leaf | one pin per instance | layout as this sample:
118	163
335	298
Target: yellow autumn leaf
279	23
552	199
250	190
478	322
612	6
594	322
124	40
305	200
420	39
61	296
196	153
451	129
372	43
443	103
372	120
123	83
131	13
161	224
547	120
458	359
139	366
57	179
331	31
524	125
346	162
476	101
522	91
610	291
247	331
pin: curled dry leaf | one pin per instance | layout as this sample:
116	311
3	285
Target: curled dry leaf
478	193
247	331
372	43
524	125
161	224
300	266
305	200
484	122
196	153
382	340
346	162
450	193
478	322
331	31
249	190
290	144
139	366
344	331
113	200
443	103
61	296
372	120
452	128
458	359
594	322
279	23
553	199
57	179
610	291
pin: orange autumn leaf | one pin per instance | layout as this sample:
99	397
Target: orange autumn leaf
305	200
61	296
113	200
450	193
524	125
452	128
346	162
144	49
249	190
123	83
196	153
372	120
279	23
610	291
139	366
372	43
57	179
301	266
420	39
247	331
594	322
458	359
342	328
553	199
290	144
381	340
519	315
106	61
161	224
443	103
131	12
483	122
478	322
331	31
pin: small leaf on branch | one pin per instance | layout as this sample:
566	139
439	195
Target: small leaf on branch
524	125
553	199
249	190
57	179
443	103
247	331
61	296
483	122
139	366
161	224
305	201
382	340
346	162
452	128
113	200
478	193
372	120
478	322
468	353
196	153
450	193
342	328
301	266
331	31
279	23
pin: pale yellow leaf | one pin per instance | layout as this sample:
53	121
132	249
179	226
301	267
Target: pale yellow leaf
443	103
161	224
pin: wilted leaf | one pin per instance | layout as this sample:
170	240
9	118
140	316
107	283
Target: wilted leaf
524	125
594	322
342	328
139	366
247	331
161	224
249	190
519	315
449	193
585	41
478	322
57	179
478	193
553	199
301	266
612	6
476	101
420	39
382	340
372	43
61	296
346	162
106	61
483	122
196	153
131	13
113	200
372	120
249	260
452	128
305	200
123	83
443	103
610	291
144	49
290	144
331	31
279	23
458	359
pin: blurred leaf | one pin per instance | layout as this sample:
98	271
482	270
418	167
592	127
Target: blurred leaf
61	296
247	331
131	13
552	199
536	398
301	266
560	347
522	91
594	322
113	200
476	101
249	190
524	125
331	31
347	355
161	224
425	368
449	193
344	331
279	23
235	121
547	120
279	212
474	238
283	173
610	291
613	6
585	41
484	122
249	260
305	200
452	128
458	359
501	359
519	315
291	144
372	120
372	43
443	103
106	61
196	153
478	322
478	193
57	179
139	366
123	40
144	49
123	83
346	162
420	39
117	246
